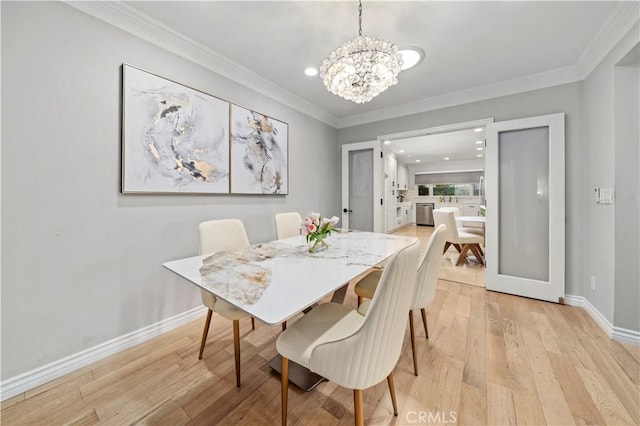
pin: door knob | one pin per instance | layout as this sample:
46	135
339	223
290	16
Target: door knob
345	210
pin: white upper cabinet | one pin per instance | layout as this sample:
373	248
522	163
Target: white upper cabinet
403	177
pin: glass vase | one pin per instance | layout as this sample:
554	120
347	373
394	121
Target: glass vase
318	244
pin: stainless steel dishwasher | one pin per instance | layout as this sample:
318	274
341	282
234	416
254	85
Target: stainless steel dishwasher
424	214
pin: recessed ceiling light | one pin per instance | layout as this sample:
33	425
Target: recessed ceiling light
478	142
387	142
446	158
479	155
417	161
479	148
311	71
401	151
411	56
479	129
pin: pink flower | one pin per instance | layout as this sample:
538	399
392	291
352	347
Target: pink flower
303	230
312	228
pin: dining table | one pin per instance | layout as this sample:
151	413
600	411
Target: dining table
275	281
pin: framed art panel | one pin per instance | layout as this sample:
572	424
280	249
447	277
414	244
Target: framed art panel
175	139
259	153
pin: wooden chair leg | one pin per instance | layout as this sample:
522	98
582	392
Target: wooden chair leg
424	321
457	246
284	325
463	254
413	343
479	247
357	404
205	332
284	383
253	323
446	247
236	348
359	301
392	391
478	253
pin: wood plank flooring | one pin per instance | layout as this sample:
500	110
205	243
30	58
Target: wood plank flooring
491	359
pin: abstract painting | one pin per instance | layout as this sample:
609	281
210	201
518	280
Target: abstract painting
259	153
174	139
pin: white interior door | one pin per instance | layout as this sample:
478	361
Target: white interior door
362	186
525	207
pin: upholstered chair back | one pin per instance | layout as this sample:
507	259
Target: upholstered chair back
367	356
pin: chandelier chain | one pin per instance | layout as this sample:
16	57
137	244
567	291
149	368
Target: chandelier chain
360	17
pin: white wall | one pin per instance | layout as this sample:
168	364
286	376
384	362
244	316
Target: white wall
565	98
81	263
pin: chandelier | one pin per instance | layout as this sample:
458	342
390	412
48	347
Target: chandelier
362	68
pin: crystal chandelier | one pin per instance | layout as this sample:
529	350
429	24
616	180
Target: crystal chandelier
362	68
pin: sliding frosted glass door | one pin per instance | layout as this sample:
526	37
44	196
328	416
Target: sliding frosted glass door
525	207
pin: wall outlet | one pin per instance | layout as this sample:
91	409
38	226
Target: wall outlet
593	283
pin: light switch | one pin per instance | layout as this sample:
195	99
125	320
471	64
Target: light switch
604	195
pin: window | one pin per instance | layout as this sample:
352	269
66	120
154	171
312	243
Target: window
461	189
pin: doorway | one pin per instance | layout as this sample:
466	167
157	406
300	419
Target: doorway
361	186
454	153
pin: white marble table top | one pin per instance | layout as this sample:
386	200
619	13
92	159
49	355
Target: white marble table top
274	281
480	219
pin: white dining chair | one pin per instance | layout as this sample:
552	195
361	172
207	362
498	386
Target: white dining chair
424	291
288	224
221	235
462	241
352	350
469	229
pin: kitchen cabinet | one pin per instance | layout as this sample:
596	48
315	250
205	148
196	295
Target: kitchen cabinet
471	210
390	165
403	177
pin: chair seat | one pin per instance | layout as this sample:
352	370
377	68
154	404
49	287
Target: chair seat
325	323
222	307
467	238
471	230
366	287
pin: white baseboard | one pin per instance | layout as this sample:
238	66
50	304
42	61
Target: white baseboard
29	380
616	333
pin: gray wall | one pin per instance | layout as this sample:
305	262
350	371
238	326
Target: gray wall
605	152
627	209
566	98
81	263
610	162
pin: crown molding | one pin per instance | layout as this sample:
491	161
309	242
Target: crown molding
489	91
618	23
127	18
131	20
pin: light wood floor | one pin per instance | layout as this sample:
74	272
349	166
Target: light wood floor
469	272
491	359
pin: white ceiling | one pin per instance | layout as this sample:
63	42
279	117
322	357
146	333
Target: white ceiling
468	45
457	145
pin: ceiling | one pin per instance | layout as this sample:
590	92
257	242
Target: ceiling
450	146
474	50
468	45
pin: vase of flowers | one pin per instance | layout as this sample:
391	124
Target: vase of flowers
316	228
